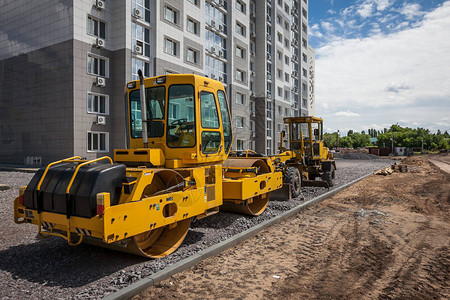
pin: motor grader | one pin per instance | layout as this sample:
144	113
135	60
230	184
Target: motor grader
174	170
306	158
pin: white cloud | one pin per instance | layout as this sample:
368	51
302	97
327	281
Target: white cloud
327	26
314	31
411	10
383	77
346	114
382	4
365	10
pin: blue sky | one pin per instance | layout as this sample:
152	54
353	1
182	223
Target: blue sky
381	62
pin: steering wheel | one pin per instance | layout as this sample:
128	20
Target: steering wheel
179	121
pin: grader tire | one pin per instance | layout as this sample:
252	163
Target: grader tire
293	177
329	177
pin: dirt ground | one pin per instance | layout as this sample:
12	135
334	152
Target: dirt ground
386	237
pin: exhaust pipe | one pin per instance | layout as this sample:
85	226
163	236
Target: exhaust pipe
143	109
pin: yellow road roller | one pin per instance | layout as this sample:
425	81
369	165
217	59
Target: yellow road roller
175	169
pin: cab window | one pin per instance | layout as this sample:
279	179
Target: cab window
210	117
226	123
155	98
180	116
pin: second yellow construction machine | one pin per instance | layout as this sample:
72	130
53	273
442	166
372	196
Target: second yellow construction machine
175	169
306	158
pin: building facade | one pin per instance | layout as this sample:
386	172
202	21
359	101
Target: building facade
64	65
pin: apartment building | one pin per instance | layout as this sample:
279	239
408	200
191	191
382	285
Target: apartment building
64	65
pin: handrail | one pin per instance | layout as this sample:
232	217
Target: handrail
70	159
83	164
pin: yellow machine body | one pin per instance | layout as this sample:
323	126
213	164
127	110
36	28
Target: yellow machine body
180	173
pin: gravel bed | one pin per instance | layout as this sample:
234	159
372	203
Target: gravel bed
33	268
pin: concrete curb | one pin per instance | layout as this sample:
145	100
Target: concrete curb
141	285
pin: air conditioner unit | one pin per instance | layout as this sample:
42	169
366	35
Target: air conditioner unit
100	4
295	73
269	56
252	53
269	37
253	134
252	34
100	81
269	95
252	73
252	94
137	13
269	19
221	2
101	120
269	77
100	43
294	11
220	53
252	15
221	28
221	78
213	23
213	76
137	49
213	49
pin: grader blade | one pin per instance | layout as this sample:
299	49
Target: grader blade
316	183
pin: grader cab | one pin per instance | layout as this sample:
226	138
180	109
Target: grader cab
174	170
306	158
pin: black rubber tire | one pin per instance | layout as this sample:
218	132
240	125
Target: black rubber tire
293	177
329	177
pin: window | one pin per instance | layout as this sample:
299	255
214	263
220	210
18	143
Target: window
195	2
286	43
305	73
280	37
286	60
252	106
96	27
240	75
143	7
286	95
137	64
97	65
280	92
304	13
304	28
269	129
304	102
240	52
239	145
280	110
286	25
208	107
305	57
141	37
192	56
170	46
170	14
192	26
240	6
279	20
240	98
155	97
97	104
286	112
286	8
239	122
286	77
181	120
278	128
225	120
304	43
279	55
97	141
280	2
240	29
